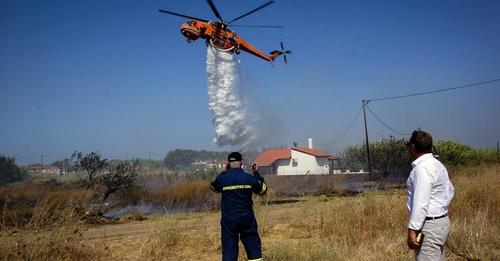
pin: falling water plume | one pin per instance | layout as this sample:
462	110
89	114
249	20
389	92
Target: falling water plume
234	125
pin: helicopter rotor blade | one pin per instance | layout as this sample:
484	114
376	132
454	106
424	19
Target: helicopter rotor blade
250	12
258	26
284	57
282	48
181	15
214	9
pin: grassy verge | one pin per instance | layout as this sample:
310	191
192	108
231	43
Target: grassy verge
369	226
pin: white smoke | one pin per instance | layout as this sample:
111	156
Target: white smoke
234	125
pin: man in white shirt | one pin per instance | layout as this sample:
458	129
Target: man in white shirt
429	194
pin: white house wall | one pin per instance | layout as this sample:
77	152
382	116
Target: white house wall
301	164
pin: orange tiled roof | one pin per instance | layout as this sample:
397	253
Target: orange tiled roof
267	157
317	153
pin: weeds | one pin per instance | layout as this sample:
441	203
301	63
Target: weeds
163	242
368	226
63	243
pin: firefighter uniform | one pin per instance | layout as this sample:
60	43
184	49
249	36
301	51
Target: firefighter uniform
238	220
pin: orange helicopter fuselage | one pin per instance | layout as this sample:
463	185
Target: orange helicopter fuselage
221	38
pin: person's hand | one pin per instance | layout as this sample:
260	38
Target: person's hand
255	167
412	239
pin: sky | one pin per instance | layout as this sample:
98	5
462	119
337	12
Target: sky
118	78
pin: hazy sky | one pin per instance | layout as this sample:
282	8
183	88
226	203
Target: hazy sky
117	77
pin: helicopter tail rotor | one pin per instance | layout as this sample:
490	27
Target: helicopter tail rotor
284	52
274	54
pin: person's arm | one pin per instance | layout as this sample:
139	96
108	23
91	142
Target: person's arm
215	185
422	184
261	187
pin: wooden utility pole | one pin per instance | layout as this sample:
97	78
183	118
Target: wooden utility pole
365	102
41	163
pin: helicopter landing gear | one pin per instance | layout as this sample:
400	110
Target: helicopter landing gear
237	51
189	40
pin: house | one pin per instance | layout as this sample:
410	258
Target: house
295	161
207	165
43	169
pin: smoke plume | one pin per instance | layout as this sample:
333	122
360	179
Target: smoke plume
234	124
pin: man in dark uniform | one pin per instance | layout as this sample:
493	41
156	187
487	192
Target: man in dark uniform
238	220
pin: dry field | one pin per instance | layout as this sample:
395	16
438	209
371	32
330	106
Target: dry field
369	226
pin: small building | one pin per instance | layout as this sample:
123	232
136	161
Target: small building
295	161
38	169
207	165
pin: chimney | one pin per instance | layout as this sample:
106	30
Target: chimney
310	143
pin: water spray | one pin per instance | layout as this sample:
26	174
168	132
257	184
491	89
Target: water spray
234	126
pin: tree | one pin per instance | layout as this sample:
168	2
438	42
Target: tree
63	165
181	159
454	153
391	156
119	177
9	171
92	164
104	176
388	156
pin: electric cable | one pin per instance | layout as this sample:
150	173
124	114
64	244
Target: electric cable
435	91
387	126
345	132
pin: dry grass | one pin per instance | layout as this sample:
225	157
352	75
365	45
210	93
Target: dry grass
370	226
186	193
39	205
475	213
63	243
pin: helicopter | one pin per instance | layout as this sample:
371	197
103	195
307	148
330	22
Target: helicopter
217	34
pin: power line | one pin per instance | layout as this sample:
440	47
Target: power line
345	132
387	126
436	91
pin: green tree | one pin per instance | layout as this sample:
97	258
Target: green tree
181	159
388	156
9	171
455	153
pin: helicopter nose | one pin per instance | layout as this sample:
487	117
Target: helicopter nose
190	33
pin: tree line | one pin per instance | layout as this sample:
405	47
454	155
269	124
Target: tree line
388	156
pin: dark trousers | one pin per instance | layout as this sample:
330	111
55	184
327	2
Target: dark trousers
244	229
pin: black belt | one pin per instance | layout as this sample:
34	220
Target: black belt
434	218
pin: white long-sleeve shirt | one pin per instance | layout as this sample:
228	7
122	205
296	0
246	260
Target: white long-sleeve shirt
429	190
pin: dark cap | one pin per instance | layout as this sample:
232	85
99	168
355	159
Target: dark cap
234	156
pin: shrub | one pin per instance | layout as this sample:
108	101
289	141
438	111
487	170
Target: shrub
388	156
456	154
9	171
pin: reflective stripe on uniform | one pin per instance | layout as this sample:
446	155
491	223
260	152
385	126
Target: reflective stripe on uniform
237	187
258	259
264	188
